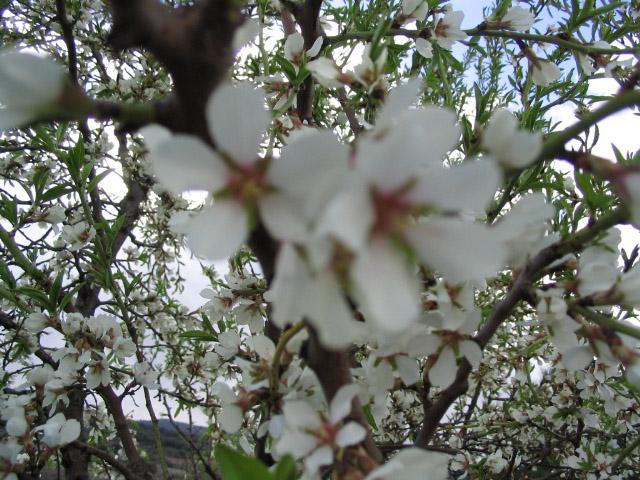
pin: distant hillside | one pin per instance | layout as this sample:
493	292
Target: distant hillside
178	452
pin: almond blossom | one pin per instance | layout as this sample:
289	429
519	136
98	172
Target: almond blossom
447	30
316	437
377	212
286	191
294	48
59	431
543	71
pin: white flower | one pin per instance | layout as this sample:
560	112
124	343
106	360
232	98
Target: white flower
370	72
287	191
294	48
377	210
512	147
411	464
237	120
229	343
313	436
448	31
145	375
98	374
543	72
29	87
58	431
78	235
518	18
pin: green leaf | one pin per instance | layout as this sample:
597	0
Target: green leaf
285	469
97	179
236	466
199	336
56	288
55	192
38	296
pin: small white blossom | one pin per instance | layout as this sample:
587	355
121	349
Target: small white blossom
58	431
448	31
518	18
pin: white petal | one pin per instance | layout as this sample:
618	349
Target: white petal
385	286
154	135
461	251
289	287
230	418
12	118
311	168
341	402
185	162
293	45
398	101
28	81
424	47
350	434
282	216
348	218
224	392
237	120
218	231
544	72
322	456
407	369
468	187
472	351
328	312
262	345
70	431
315	48
295	443
443	372
577	358
299	414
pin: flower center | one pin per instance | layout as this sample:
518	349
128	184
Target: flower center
248	183
392	210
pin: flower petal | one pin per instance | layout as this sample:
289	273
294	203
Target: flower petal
341	402
349	218
218	230
237	120
184	162
230	418
468	187
461	251
350	434
443	372
472	351
386	289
